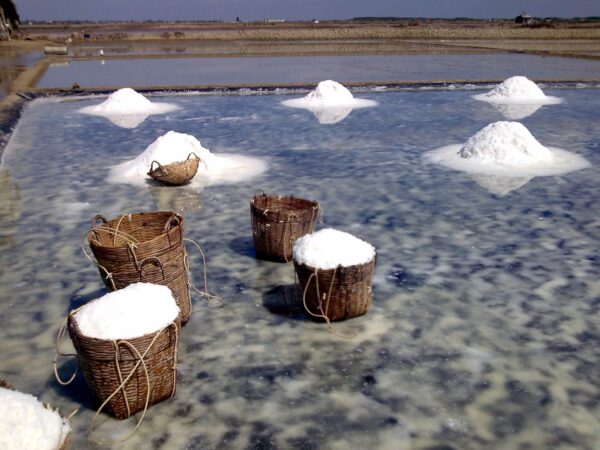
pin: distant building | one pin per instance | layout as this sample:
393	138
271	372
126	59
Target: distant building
275	20
524	19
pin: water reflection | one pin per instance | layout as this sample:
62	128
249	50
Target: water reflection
516	111
175	198
328	116
126	120
10	207
499	185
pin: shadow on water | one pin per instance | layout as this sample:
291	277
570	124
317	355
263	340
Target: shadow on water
286	301
77	391
243	246
77	301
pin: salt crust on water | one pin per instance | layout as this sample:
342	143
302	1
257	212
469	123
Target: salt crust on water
506	149
25	423
127	108
517	90
136	310
329	248
329	94
172	147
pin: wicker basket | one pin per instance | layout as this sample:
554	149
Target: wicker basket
66	443
277	221
339	293
106	364
144	247
177	173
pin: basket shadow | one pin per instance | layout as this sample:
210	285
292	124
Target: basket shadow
243	246
285	301
77	391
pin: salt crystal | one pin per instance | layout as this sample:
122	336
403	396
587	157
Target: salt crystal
127	313
25	423
329	248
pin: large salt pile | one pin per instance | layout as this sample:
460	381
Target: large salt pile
329	248
517	97
330	102
25	423
127	108
134	311
173	147
506	149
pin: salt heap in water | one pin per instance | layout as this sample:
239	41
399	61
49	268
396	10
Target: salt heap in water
329	95
127	313
507	143
25	423
329	248
506	149
173	147
127	108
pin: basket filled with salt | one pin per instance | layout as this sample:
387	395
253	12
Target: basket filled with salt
143	247
27	423
335	272
126	343
277	221
177	173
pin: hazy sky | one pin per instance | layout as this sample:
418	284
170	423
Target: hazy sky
296	9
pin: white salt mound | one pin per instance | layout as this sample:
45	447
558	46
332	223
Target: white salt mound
329	248
126	102
133	311
517	89
506	149
25	423
172	147
508	143
329	94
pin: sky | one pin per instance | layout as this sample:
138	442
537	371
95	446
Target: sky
248	10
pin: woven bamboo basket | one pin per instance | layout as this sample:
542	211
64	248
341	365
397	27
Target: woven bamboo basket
177	173
277	221
106	364
339	293
66	443
144	247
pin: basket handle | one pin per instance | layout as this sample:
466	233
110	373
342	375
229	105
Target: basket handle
159	166
154	260
192	153
98	217
58	352
174	218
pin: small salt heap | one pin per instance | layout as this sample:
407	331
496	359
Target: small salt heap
517	97
330	248
330	102
127	108
507	143
134	311
173	147
506	149
25	423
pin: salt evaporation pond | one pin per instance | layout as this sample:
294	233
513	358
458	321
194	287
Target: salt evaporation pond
483	330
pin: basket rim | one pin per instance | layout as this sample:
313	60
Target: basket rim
310	204
92	242
339	266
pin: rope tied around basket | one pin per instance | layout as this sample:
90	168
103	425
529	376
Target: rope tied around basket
325	298
123	382
289	242
213	300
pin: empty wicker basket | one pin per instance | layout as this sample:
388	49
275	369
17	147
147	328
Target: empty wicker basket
144	247
277	221
177	173
106	364
337	294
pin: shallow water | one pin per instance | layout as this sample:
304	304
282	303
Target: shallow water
483	331
312	69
